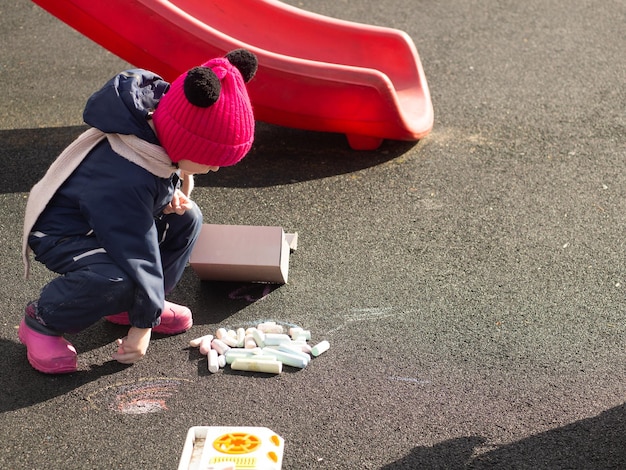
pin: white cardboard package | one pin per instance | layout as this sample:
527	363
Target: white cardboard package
248	253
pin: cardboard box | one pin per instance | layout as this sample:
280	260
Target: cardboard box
247	253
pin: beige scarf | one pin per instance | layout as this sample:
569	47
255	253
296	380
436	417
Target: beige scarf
149	156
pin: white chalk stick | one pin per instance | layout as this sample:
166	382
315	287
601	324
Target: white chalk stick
270	327
214	365
236	353
259	337
205	344
241	337
254	365
249	342
274	339
194	343
219	346
286	358
297	332
221	333
289	348
320	347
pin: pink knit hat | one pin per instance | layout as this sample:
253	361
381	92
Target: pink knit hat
206	115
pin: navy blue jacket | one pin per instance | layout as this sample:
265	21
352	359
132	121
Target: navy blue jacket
115	198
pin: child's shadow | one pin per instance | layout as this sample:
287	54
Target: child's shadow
22	386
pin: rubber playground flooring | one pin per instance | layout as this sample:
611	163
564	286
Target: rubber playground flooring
471	285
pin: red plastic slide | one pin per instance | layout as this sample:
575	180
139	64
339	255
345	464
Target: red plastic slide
315	72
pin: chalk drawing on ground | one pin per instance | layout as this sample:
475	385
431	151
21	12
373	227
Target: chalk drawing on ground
146	395
357	315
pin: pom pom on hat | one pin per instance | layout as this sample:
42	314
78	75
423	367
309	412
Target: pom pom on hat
206	115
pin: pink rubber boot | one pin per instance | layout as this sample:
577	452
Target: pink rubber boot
48	354
175	319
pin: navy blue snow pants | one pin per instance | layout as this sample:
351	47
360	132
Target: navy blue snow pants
92	287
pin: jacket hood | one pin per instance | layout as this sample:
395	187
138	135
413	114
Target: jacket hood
123	104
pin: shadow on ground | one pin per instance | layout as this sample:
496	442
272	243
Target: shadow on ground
596	442
22	386
279	156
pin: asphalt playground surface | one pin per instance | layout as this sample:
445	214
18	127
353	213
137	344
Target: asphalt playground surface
471	285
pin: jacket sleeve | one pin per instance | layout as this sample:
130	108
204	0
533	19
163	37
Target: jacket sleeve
121	213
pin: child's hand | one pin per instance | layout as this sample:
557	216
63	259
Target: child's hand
134	346
179	204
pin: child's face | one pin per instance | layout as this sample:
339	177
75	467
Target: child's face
193	168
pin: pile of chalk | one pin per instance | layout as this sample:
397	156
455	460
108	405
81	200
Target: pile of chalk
264	348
